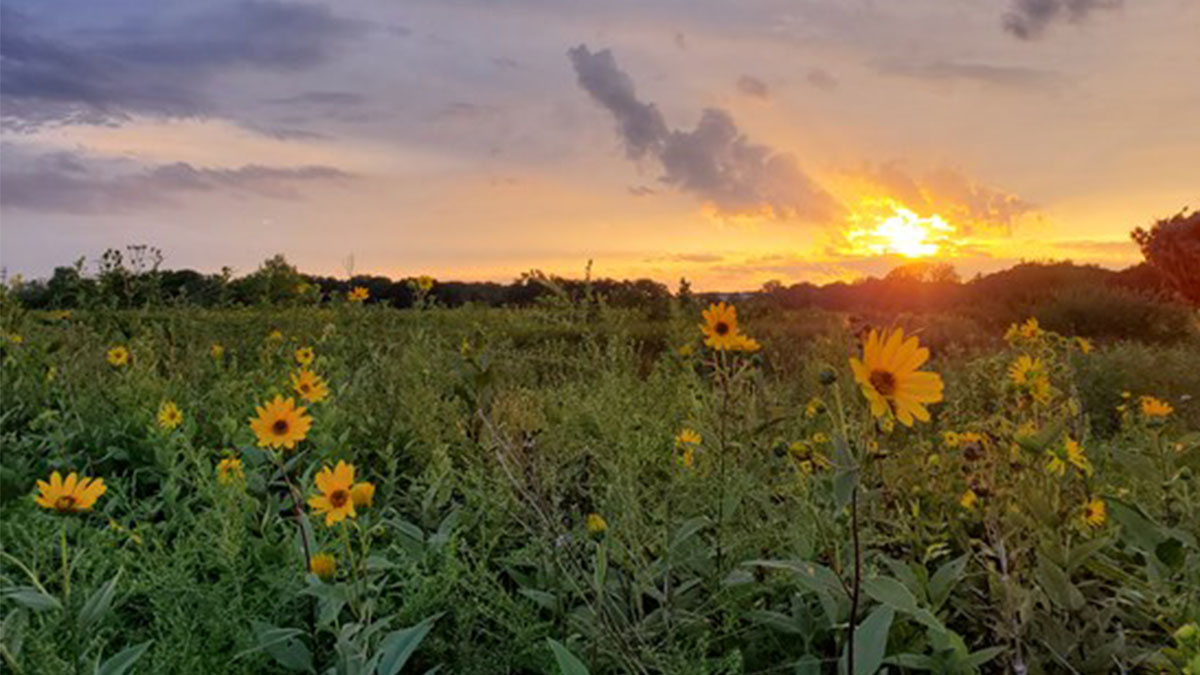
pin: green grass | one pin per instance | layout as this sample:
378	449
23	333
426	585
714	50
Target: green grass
492	434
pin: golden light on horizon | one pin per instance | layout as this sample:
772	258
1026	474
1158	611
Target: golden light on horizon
883	226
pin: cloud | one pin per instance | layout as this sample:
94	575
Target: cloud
970	206
1004	76
1028	19
340	99
106	76
821	79
753	87
69	183
714	161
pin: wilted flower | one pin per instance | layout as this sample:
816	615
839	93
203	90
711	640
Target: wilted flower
229	470
216	350
323	565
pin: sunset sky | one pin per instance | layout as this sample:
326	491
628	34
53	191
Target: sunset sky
728	142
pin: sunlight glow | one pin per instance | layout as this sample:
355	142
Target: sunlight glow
886	226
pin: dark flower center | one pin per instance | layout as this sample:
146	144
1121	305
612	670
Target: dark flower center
884	382
65	503
721	328
339	498
280	427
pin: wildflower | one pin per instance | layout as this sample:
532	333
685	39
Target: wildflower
686	350
169	415
1028	374
721	327
275	335
363	494
1094	513
819	438
70	496
1030	330
596	525
358	294
118	356
216	350
337	487
968	499
808	460
814	407
280	423
229	470
1155	408
15	338
425	283
305	356
1070	453
310	386
745	343
950	439
688	437
890	380
1084	344
323	565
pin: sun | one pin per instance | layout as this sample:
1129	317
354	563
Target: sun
885	226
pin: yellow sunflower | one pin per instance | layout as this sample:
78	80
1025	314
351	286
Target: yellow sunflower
358	294
1071	452
1084	344
425	283
337	493
118	356
688	437
169	415
229	470
280	423
275	335
596	525
1153	407
310	386
70	496
721	327
745	343
216	350
1025	369
968	499
305	356
323	565
1095	513
890	380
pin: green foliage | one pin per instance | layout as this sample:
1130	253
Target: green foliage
491	435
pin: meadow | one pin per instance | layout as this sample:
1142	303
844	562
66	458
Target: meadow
578	488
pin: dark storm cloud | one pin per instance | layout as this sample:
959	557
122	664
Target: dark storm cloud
753	87
67	183
1028	19
152	68
714	161
1003	76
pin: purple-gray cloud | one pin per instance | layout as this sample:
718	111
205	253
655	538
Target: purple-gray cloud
753	87
68	183
1028	19
107	75
714	161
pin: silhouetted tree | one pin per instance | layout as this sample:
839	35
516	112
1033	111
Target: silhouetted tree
1172	246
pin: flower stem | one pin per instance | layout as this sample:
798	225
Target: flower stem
66	565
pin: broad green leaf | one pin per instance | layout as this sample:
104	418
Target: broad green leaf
982	656
945	579
895	595
568	663
99	604
120	662
399	645
870	640
776	621
284	645
544	599
1057	586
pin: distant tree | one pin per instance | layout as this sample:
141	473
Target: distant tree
1172	246
936	273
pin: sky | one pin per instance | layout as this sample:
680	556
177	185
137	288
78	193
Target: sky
730	143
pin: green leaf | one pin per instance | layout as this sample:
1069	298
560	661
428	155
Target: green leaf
1057	586
32	598
122	660
982	656
544	599
399	645
688	530
945	579
283	645
870	640
1137	528
776	621
568	663
99	604
895	595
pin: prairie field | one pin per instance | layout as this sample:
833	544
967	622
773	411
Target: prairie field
576	488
